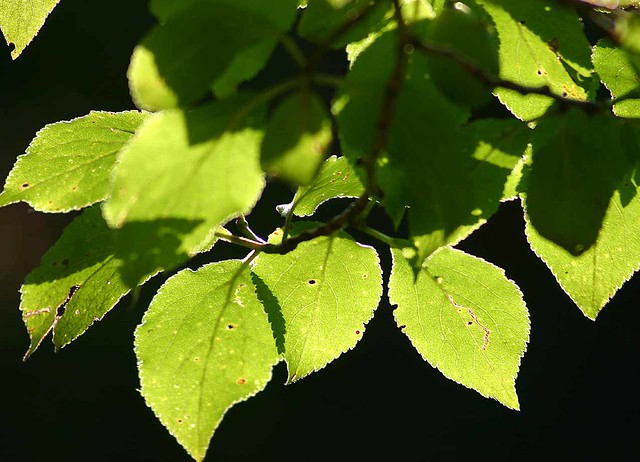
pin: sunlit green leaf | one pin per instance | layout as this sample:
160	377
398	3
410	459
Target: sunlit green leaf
298	136
536	38
204	345
162	75
183	175
327	290
577	163
336	178
615	68
67	165
21	20
76	284
465	318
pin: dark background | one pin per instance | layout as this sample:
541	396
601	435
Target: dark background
577	386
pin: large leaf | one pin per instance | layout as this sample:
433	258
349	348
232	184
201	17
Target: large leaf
162	75
76	284
68	164
21	20
298	136
183	175
327	289
427	161
537	39
336	178
465	318
619	75
204	345
593	278
577	163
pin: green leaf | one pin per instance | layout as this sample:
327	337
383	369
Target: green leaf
593	278
577	163
537	39
465	318
76	284
204	345
472	39
297	139
322	17
336	178
427	159
162	75
183	175
21	20
615	68
327	289
67	165
497	145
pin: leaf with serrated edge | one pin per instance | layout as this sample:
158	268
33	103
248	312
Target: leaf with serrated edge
594	277
21	20
465	318
79	275
619	76
525	57
327	289
335	179
204	345
68	164
202	173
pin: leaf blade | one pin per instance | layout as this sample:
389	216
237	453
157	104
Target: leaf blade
21	20
450	314
68	164
205	344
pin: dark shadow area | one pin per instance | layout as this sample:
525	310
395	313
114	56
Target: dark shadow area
380	401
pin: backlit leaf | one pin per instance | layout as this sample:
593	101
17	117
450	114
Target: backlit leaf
21	20
536	38
67	165
183	175
336	178
297	138
465	318
327	290
619	75
76	284
577	163
162	75
204	345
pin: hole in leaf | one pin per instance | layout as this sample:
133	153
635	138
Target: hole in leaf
231	326
469	323
402	326
312	282
24	185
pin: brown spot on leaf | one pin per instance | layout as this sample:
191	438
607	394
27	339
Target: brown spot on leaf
65	262
241	381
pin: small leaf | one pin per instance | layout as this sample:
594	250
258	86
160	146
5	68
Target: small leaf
336	178
327	290
536	38
76	284
577	163
204	345
465	318
298	136
204	170
68	164
615	68
21	20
